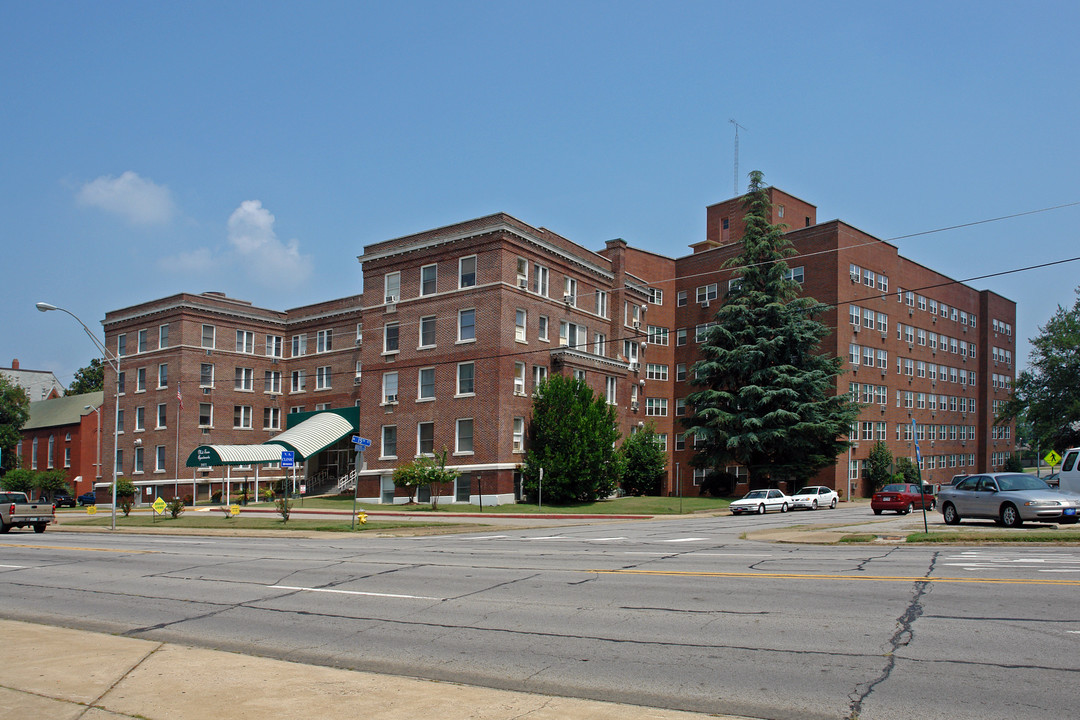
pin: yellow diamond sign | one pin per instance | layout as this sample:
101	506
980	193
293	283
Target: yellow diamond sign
159	506
1052	458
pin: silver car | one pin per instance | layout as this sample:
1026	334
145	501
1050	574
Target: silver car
1009	498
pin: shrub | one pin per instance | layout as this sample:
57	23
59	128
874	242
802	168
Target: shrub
719	484
284	507
176	507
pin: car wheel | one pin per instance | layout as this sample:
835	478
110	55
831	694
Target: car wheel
39	528
950	514
814	506
783	508
4	527
761	509
832	505
1010	516
908	510
877	512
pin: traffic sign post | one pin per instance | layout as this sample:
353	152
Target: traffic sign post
361	444
1052	459
918	467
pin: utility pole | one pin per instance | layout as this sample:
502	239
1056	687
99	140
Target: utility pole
737	126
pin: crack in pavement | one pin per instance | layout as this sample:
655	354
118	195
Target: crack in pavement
905	633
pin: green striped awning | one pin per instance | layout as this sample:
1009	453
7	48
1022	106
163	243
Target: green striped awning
308	437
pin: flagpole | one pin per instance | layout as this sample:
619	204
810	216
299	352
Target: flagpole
176	452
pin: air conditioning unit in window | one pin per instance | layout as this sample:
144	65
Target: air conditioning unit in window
854	277
568	299
705	304
856	328
391	399
633	366
359	341
523	283
391	299
356	380
637	324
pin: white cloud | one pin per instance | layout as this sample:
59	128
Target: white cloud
258	251
139	201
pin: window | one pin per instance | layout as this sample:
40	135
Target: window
428	276
323	377
601	303
392	287
137	465
299	345
519	378
599	344
705	293
519	326
163	375
680	372
656	406
466	376
464	435
159	458
467	271
272	381
142	345
570	291
573	335
359	333
797	274
274	345
519	435
245	342
390	388
658	335
389	441
542	328
140	380
242	417
466	325
540	374
427	332
206	375
425	438
162	416
299	380
206	415
140	419
655	371
324	341
244	379
271	418
610	386
680	406
680	298
121	343
680	337
426	384
163	336
540	280
390	338
208	335
656	296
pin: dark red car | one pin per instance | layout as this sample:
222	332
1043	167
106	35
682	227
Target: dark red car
903	498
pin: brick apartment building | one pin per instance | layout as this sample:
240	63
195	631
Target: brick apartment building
463	321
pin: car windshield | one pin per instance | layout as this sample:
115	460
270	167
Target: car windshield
894	488
1020	482
808	491
756	495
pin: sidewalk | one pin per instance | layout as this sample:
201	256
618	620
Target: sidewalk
65	674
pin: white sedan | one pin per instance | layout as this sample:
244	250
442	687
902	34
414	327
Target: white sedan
814	497
761	502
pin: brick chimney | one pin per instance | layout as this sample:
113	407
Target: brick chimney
15	364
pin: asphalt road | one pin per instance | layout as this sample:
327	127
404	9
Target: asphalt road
675	613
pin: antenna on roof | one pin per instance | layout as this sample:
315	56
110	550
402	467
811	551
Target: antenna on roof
737	126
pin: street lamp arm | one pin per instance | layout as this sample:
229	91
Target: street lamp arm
110	358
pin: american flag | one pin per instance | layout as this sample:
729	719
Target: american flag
179	396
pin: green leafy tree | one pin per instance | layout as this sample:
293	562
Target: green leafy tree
768	397
879	465
425	472
14	412
50	482
644	461
88	379
906	470
1013	463
19	480
572	436
1045	393
125	495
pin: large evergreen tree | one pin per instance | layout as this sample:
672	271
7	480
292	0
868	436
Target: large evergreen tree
1045	394
572	436
767	397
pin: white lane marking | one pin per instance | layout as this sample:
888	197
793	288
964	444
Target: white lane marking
353	592
1061	570
733	554
1073	632
685	540
547	537
486	537
15	567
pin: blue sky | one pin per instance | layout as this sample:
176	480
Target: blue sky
255	148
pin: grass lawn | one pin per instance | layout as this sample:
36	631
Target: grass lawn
1025	535
619	506
217	521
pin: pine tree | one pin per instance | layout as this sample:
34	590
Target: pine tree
768	398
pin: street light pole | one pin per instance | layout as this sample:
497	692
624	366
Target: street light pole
97	475
114	363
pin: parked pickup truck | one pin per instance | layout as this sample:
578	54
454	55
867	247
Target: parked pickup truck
17	511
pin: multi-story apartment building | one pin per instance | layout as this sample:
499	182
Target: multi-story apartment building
463	321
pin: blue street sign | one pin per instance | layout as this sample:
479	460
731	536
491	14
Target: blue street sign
915	434
364	443
288	459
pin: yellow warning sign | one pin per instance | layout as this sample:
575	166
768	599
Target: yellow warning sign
159	506
1052	458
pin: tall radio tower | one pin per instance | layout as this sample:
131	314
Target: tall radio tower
736	183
